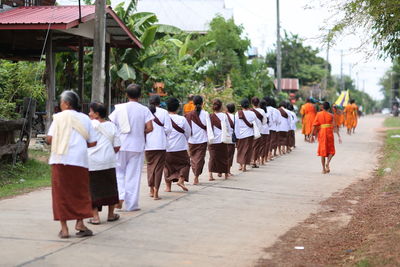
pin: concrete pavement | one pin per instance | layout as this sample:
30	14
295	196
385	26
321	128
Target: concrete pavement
221	223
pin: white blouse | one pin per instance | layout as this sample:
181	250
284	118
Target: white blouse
102	156
241	129
77	154
199	135
284	125
177	141
218	132
138	116
264	125
231	130
274	118
157	139
293	121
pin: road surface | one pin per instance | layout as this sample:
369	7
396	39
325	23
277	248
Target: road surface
221	223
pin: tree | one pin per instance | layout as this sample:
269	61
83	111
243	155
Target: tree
389	81
299	61
380	20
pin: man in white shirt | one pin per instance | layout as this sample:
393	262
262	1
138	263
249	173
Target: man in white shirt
134	121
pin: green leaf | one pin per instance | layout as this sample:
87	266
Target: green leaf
148	36
168	29
176	42
184	48
126	73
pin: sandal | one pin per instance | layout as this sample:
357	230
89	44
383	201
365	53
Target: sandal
60	235
83	233
113	219
92	221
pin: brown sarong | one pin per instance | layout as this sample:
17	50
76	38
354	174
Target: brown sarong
103	188
257	146
283	138
155	166
70	192
177	164
244	150
219	158
231	154
197	157
267	148
292	139
274	140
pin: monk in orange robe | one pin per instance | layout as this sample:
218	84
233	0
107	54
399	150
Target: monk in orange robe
355	122
189	106
349	116
337	115
308	113
325	122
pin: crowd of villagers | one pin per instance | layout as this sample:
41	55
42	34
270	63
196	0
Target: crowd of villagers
97	160
325	123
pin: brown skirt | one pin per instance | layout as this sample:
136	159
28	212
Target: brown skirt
267	145
70	192
103	188
283	138
257	147
197	157
177	164
231	154
292	139
155	166
219	158
274	140
244	150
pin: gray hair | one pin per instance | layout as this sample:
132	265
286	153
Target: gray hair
71	98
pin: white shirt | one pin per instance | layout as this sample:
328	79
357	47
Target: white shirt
218	132
177	141
138	116
274	118
264	125
294	120
77	154
241	129
199	135
284	125
157	139
102	156
230	129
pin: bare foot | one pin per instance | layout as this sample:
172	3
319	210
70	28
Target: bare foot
219	174
196	181
119	205
167	189
226	176
184	188
328	170
157	198
151	194
211	179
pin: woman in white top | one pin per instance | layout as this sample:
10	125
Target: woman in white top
273	125
219	158
294	120
244	131
177	161
198	120
258	144
70	134
156	145
265	134
102	163
283	129
231	147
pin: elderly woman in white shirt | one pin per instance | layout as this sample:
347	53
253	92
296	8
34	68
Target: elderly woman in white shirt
70	135
218	148
102	163
245	122
232	146
177	161
156	145
283	129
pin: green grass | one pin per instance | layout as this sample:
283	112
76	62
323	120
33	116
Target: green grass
392	122
363	263
23	178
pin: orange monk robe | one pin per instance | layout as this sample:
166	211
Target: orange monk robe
302	119
349	116
336	114
355	110
326	141
188	107
309	114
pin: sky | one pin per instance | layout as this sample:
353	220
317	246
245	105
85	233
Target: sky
259	20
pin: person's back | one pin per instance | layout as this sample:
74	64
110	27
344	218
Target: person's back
177	141
157	139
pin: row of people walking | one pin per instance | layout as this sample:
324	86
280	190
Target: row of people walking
106	158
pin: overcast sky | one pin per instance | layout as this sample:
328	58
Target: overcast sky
259	20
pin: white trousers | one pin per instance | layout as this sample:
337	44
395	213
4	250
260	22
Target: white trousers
129	170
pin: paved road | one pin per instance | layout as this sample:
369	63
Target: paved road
223	223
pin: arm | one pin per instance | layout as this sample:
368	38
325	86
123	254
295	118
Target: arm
148	127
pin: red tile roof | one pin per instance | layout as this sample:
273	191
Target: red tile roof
288	84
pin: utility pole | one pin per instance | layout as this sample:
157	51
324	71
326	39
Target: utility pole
99	41
341	71
326	67
278	49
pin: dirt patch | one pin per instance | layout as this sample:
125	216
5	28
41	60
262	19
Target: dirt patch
357	227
